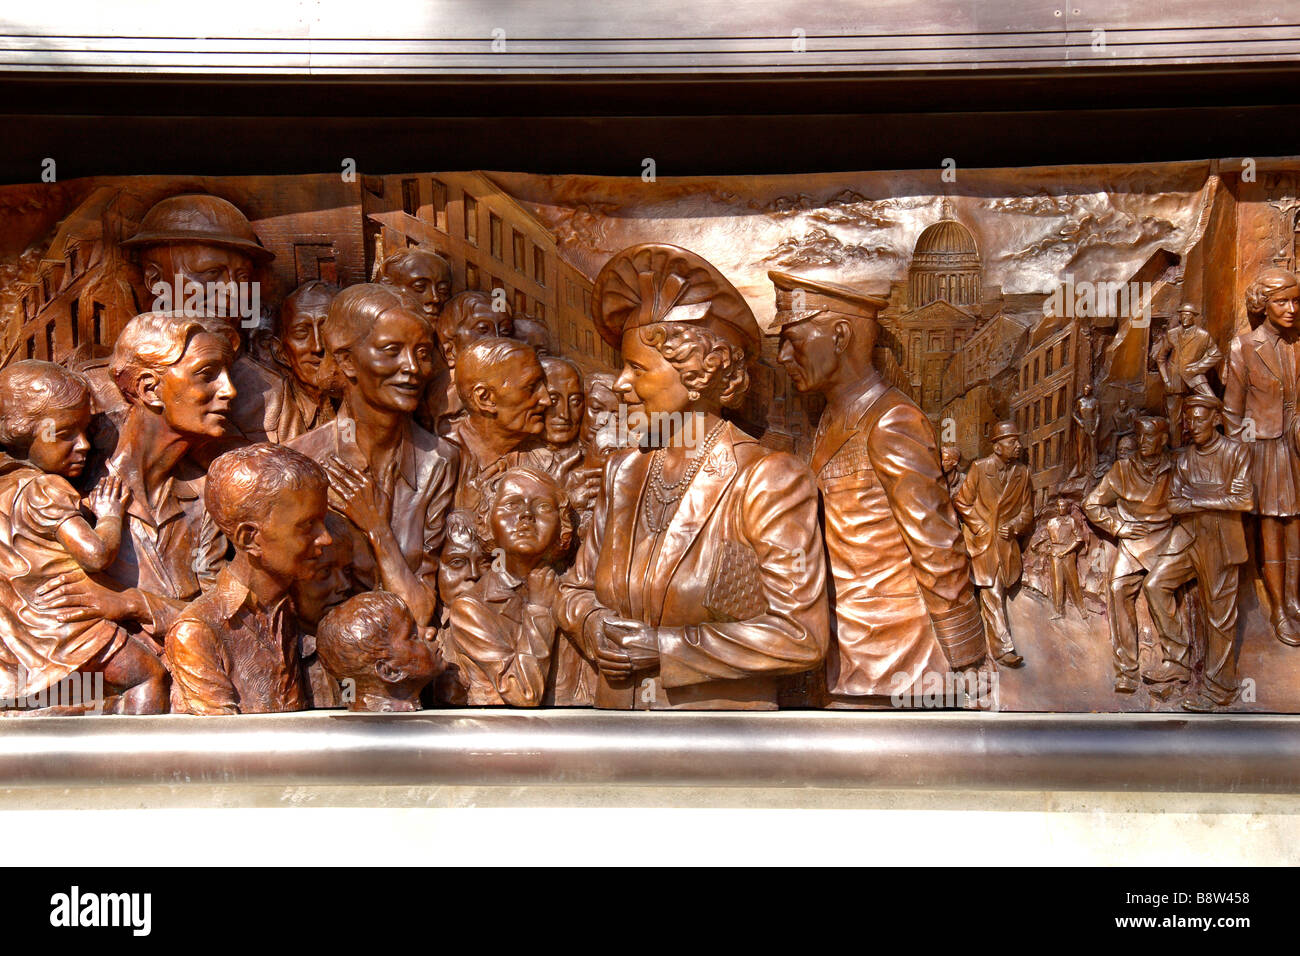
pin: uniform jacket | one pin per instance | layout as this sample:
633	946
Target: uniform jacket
735	585
988	501
904	604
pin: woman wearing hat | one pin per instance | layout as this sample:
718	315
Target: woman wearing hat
702	579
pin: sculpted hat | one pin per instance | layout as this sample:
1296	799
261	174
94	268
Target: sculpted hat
199	217
1199	400
656	282
799	298
1005	430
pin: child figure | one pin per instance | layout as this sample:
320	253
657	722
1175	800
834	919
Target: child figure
236	649
370	644
503	631
45	540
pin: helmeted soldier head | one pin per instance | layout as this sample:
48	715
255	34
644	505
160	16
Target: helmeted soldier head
197	239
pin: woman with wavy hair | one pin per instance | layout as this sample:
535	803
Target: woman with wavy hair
1261	388
702	578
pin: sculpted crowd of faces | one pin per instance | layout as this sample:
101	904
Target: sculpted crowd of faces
565	414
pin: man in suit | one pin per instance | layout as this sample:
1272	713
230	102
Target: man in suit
1185	355
1209	492
996	502
904	605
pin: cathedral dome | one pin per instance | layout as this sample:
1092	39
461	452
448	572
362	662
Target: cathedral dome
946	241
945	265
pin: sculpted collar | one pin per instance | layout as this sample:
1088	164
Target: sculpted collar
233	593
348	451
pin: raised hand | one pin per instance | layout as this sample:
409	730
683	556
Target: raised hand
361	499
109	497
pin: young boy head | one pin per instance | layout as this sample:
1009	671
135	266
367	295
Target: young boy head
45	410
270	501
372	640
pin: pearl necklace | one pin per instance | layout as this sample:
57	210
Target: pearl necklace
656	515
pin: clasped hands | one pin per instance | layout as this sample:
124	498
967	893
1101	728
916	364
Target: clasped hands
625	646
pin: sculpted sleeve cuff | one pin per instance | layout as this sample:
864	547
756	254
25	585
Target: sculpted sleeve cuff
202	685
961	634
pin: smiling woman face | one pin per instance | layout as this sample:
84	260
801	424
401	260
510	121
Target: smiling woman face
390	367
648	382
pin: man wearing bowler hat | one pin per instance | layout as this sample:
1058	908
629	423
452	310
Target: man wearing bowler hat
996	502
904	605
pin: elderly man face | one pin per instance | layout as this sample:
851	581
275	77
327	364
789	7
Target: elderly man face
564	417
950	458
195	394
300	334
522	398
808	352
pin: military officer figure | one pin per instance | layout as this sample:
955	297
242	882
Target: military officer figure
904	605
996	502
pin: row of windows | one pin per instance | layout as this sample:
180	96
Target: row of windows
530	263
1043	411
517	298
1045	363
74	309
1046	453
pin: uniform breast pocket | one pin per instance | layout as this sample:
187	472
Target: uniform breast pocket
862	480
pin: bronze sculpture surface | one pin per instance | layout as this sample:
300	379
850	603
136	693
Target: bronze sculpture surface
850	495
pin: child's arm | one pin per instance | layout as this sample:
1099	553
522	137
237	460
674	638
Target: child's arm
96	548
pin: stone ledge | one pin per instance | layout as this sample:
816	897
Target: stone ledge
942	751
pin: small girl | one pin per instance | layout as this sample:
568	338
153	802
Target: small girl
45	410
